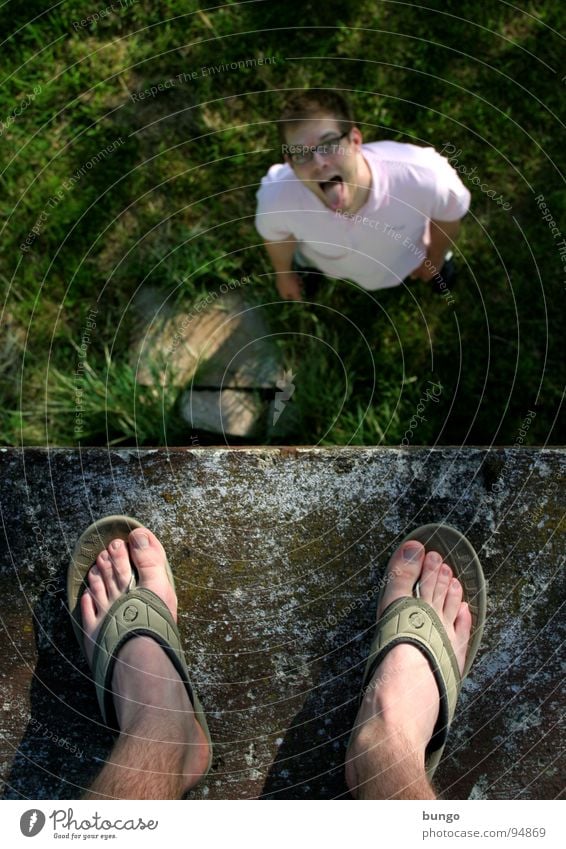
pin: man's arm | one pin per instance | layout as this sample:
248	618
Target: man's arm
442	237
289	284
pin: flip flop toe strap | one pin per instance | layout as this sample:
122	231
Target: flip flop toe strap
138	613
413	621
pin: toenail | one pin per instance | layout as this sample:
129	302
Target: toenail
116	544
104	555
411	552
141	540
435	557
94	571
445	569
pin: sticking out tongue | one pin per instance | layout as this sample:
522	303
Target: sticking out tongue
334	192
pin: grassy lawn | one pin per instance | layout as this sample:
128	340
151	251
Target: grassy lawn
106	193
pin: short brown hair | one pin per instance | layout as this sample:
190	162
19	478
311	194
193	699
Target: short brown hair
314	103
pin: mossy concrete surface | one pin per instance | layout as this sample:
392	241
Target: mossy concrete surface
277	555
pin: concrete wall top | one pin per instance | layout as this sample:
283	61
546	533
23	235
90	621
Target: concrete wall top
277	553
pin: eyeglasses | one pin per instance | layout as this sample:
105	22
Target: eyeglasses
301	154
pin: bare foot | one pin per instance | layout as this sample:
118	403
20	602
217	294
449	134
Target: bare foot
401	702
150	699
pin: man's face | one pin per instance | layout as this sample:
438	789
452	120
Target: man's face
332	177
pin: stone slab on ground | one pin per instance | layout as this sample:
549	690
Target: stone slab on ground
228	412
223	342
277	555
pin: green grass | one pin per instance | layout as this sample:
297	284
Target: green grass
171	207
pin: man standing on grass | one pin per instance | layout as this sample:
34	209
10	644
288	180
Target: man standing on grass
372	213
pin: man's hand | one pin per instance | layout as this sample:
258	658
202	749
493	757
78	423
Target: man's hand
442	237
426	271
290	286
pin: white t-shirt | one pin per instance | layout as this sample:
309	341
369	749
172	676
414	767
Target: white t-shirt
387	238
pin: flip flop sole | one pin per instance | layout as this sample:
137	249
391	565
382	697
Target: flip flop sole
92	541
461	556
95	539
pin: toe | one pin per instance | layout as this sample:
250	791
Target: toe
105	567
146	551
143	540
121	562
453	600
88	612
442	583
149	558
402	573
91	616
96	583
462	631
429	577
103	561
463	622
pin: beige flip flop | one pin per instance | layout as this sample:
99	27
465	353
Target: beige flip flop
411	620
139	612
95	539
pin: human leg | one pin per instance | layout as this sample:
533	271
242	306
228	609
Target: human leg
400	705
162	750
